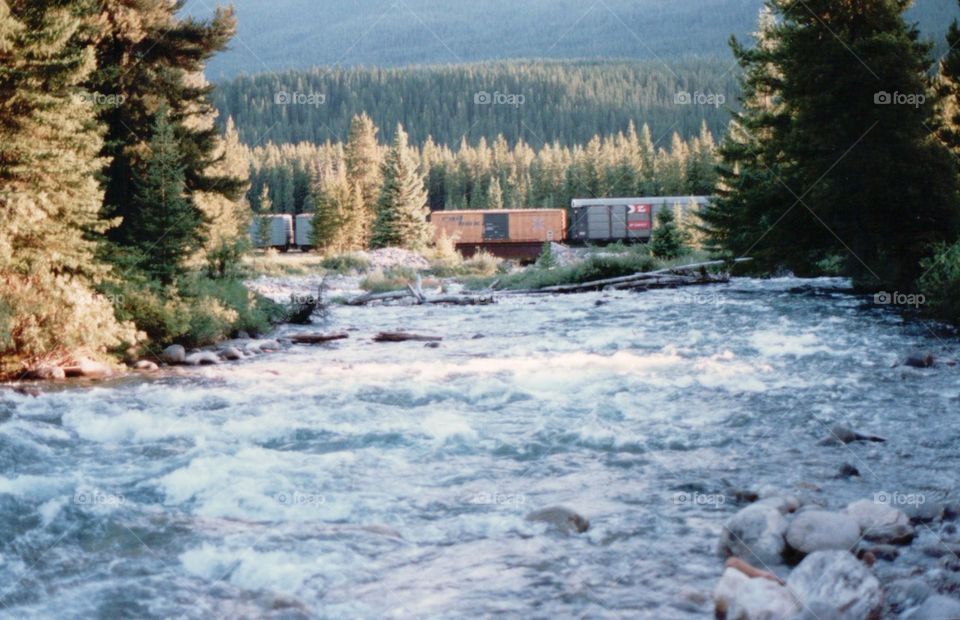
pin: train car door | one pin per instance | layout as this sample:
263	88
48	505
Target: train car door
496	226
639	221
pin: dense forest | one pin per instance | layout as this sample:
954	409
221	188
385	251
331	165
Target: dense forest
492	175
538	103
462	31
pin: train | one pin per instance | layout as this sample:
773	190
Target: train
510	233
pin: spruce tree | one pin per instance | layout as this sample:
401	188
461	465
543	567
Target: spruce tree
50	200
363	166
668	240
402	208
163	212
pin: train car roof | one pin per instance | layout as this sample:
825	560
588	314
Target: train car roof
473	211
654	200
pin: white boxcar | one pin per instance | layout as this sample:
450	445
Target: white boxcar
303	233
279	233
614	219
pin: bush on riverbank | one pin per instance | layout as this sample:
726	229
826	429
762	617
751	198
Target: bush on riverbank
940	284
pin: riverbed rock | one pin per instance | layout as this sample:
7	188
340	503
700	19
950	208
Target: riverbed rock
840	434
936	607
562	518
738	597
837	583
819	530
145	366
174	354
755	533
919	360
45	373
888	553
231	354
905	594
925	512
88	369
262	346
881	522
848	471
202	358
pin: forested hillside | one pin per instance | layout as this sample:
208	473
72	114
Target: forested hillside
385	33
566	102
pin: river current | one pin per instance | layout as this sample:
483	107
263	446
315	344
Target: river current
367	480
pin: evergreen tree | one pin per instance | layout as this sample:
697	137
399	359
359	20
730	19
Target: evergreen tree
402	209
494	194
668	240
363	163
163	212
50	201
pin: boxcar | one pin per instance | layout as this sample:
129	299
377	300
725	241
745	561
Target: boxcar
279	235
509	233
303	233
623	219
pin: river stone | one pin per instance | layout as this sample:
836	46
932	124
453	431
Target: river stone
231	354
837	583
937	607
738	597
202	358
919	360
89	369
819	530
784	503
145	365
755	534
903	594
174	354
563	518
929	510
45	373
840	434
881	522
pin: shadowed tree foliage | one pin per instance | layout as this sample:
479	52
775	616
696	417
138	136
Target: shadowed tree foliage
402	209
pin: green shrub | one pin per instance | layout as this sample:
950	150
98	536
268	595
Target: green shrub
940	284
668	240
547	260
482	263
347	263
392	279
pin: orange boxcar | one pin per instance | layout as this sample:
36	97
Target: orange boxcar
501	225
461	226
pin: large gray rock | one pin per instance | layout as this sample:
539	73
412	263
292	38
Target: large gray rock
145	365
881	522
174	354
838	584
738	597
231	354
755	533
819	530
936	607
88	369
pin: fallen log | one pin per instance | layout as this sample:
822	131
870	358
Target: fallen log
404	337
455	300
318	338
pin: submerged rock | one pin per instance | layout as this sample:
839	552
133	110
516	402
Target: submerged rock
739	597
848	471
842	435
564	519
838	584
145	365
755	533
174	354
231	354
904	594
919	360
202	358
936	607
819	530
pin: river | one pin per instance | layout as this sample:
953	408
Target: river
366	480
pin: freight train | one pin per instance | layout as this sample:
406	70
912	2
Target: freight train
510	233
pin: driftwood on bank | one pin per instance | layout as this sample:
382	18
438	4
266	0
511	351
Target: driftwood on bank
404	337
671	277
318	338
419	297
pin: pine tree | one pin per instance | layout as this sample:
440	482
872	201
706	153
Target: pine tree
164	213
50	201
494	194
363	161
402	209
668	240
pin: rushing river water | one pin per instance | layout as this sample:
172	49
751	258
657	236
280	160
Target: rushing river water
365	480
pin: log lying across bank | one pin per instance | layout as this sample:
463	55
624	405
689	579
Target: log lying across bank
404	337
671	277
421	298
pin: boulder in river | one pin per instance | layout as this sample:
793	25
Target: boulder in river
936	607
755	534
902	595
881	522
562	518
838	584
919	360
231	354
45	372
174	354
145	366
739	597
819	530
202	358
